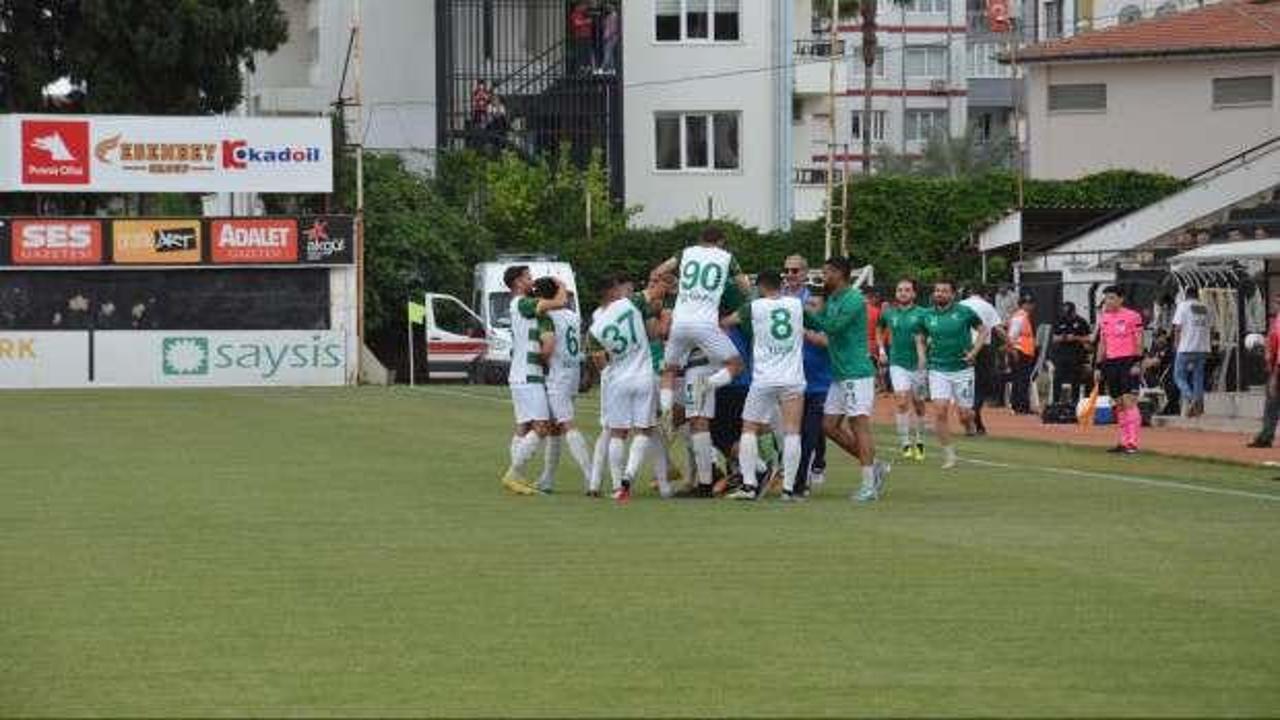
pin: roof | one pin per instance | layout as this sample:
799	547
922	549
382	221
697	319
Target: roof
1230	27
1266	249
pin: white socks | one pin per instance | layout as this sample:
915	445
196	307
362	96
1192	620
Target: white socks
550	461
524	451
920	429
666	399
639	448
599	460
661	466
720	378
748	457
578	451
903	421
617	456
691	460
790	461
515	443
702	456
868	476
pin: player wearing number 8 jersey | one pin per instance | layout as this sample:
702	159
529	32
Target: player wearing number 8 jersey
952	351
618	339
775	327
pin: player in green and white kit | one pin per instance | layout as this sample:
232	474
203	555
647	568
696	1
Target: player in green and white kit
775	327
708	277
562	352
618	338
952	350
904	323
841	326
526	377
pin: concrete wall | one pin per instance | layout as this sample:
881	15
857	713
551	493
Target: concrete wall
657	79
1159	117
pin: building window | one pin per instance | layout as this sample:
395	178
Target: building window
926	61
1081	97
1242	91
984	61
1130	13
697	20
855	58
925	6
877	125
923	124
696	141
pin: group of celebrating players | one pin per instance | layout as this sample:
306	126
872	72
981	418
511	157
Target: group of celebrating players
672	335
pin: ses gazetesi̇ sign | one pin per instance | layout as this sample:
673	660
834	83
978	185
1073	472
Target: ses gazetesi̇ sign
122	153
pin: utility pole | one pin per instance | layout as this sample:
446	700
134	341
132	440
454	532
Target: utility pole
1017	122
358	61
832	58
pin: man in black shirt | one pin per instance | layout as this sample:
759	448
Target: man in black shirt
1070	348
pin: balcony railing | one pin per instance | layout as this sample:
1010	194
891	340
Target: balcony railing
818	48
814	176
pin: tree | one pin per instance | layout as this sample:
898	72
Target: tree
166	56
32	34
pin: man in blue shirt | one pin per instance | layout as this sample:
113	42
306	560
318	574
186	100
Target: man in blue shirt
817	372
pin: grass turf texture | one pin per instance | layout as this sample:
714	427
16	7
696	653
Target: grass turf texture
349	552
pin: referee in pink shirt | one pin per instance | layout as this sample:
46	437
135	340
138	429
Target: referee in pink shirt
1119	365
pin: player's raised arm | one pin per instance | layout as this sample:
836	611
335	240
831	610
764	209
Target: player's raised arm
668	267
560	300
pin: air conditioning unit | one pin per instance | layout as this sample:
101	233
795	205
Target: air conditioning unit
938	86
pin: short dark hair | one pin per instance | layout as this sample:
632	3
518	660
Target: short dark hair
915	286
769	279
1113	290
1070	306
945	281
513	272
711	234
841	264
545	288
1025	299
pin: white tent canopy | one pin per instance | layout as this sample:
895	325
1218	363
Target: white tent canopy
1267	249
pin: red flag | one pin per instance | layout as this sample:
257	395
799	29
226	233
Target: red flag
998	15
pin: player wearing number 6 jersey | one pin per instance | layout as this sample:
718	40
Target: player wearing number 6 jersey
562	354
775	327
618	338
709	278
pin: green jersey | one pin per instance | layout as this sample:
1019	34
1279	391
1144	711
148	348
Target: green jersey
903	324
844	320
950	336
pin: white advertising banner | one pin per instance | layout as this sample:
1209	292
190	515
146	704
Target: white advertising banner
44	359
125	153
133	358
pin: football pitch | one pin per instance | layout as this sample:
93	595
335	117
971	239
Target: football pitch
349	552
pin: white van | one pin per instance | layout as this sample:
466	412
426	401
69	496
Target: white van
474	343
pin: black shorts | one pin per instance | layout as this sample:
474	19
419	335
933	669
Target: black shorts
1118	377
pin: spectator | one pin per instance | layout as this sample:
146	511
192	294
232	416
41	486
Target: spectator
817	373
582	38
480	97
1271	415
611	34
1192	324
1068	353
984	366
1022	354
496	124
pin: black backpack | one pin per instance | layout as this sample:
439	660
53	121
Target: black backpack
1058	414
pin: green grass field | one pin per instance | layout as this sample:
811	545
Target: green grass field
348	552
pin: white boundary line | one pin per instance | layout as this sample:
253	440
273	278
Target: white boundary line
1131	479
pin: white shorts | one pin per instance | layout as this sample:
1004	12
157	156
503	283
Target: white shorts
710	338
628	407
764	402
955	386
903	380
560	399
851	398
708	409
530	402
